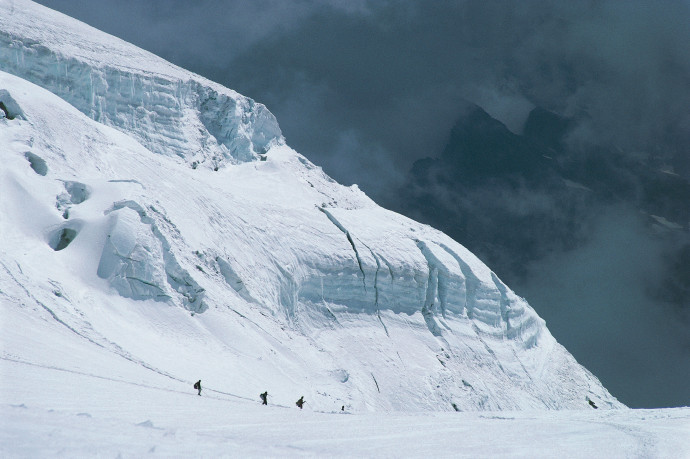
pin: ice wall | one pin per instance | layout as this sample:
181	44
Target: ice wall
168	110
417	272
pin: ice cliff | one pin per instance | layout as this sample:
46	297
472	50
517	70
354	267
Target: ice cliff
167	109
256	269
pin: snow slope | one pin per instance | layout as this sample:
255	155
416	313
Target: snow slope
88	416
157	230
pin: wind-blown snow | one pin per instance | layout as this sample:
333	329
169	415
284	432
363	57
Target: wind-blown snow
121	259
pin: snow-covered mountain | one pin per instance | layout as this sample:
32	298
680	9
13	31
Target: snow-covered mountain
156	229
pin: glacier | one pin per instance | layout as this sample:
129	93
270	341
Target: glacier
156	224
167	109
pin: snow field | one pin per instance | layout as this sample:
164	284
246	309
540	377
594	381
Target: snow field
55	413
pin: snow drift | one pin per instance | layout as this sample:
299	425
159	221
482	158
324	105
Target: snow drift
152	217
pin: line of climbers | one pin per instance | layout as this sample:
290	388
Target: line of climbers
264	397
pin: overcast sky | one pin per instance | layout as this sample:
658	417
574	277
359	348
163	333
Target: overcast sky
364	88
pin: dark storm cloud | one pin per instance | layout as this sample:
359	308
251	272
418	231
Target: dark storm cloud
395	74
199	33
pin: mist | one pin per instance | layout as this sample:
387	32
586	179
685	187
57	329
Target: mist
366	88
599	305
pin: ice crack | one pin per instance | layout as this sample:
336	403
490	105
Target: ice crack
504	301
376	288
471	281
436	288
352	243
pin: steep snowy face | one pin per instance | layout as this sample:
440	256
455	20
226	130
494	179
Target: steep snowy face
263	274
167	109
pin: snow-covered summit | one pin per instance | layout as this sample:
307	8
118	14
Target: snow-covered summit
262	274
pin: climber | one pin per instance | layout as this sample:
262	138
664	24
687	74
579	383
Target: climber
197	385
591	403
300	402
264	397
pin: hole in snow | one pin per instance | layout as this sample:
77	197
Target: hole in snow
341	375
4	110
62	238
78	192
8	107
37	163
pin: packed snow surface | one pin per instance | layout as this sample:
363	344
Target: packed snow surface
58	413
